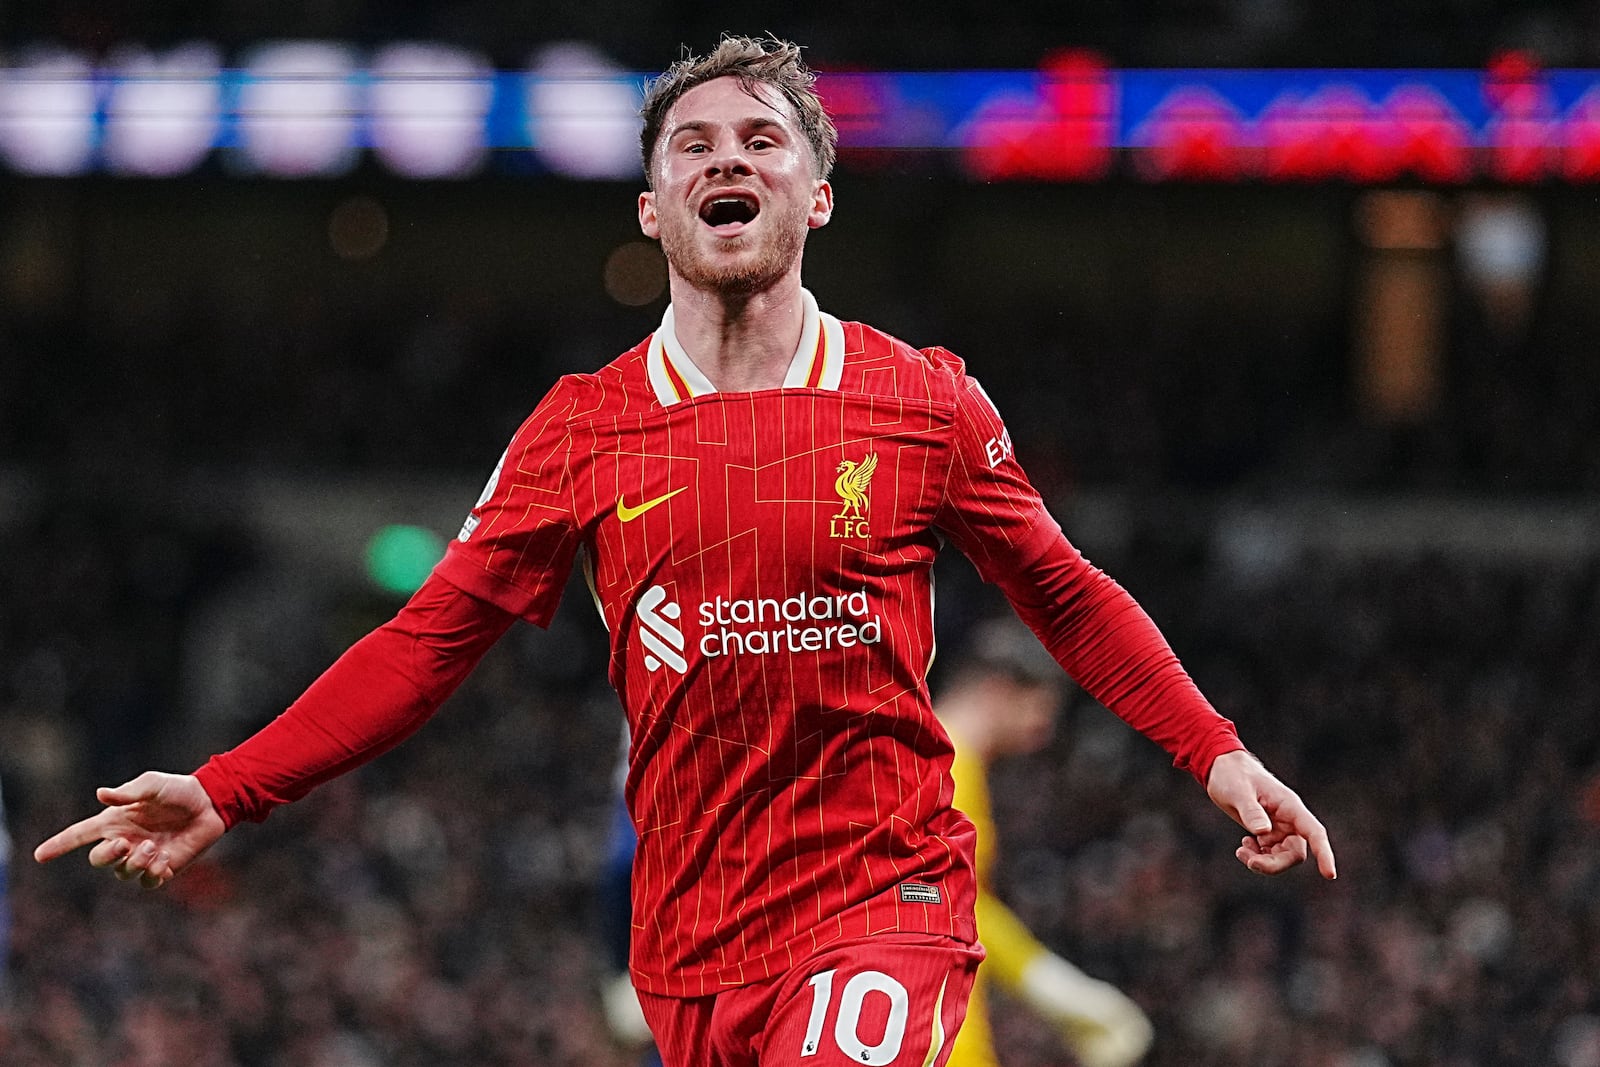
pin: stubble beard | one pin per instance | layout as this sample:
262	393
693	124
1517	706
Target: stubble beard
738	273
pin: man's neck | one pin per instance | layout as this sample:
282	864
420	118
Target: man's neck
741	343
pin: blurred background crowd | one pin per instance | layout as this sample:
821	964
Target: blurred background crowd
1341	441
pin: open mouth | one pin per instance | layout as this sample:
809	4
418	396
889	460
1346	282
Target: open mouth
728	212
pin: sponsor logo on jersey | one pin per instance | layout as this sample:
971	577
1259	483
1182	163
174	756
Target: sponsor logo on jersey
920	893
997	449
804	622
662	640
852	484
754	626
627	514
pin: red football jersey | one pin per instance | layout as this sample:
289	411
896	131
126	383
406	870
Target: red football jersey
763	563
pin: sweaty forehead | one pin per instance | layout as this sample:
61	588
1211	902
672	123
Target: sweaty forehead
727	101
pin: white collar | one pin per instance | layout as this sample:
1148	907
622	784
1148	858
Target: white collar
818	362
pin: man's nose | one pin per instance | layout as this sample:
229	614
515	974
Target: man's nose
728	158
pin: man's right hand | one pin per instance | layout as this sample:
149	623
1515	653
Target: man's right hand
152	828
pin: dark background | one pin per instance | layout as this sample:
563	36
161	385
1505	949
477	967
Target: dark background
877	33
208	403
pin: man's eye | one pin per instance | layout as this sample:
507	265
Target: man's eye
760	142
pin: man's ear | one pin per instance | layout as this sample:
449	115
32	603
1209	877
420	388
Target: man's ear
647	215
821	205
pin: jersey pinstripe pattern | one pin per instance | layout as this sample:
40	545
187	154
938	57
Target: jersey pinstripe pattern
771	628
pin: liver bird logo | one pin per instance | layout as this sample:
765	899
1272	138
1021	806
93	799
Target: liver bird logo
852	484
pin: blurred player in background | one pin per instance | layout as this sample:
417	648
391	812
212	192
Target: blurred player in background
758	491
1002	698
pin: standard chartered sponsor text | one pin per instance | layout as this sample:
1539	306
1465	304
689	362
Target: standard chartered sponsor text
804	622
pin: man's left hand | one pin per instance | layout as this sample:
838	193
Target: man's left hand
1281	828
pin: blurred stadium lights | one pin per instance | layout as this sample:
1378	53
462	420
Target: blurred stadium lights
582	113
635	273
1059	130
299	109
426	110
162	111
400	557
428	105
358	228
47	113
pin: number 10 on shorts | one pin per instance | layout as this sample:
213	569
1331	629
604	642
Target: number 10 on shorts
845	1028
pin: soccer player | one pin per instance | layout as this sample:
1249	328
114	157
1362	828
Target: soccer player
757	491
1002	698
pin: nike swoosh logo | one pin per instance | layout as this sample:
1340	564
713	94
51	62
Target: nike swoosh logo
627	514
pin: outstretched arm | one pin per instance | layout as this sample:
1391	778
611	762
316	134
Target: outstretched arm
1109	644
1103	638
377	694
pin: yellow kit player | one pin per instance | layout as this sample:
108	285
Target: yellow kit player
1002	699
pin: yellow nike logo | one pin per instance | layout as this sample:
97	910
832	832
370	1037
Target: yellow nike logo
627	514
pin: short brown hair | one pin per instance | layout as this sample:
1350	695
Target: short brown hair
754	61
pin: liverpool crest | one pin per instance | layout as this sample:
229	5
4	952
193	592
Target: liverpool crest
852	485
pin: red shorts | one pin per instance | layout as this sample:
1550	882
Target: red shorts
891	999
